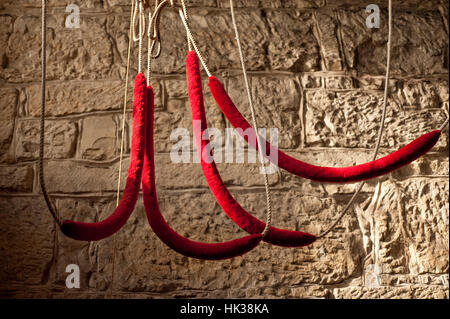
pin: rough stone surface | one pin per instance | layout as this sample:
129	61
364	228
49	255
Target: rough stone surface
82	177
8	110
27	230
84	97
293	45
336	118
416	235
419	43
79	97
99	138
84	53
277	105
327	33
177	115
76	252
16	178
316	74
273	4
60	139
315	264
410	292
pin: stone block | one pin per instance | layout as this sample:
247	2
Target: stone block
99	138
60	139
8	110
16	178
27	241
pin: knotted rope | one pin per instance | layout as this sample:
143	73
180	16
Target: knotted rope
141	24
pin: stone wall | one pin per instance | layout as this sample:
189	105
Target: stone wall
316	72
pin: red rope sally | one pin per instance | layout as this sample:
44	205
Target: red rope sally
167	235
240	216
351	174
110	225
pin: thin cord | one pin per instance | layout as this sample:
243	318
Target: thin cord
141	25
255	125
154	28
444	124
153	37
50	206
134	18
149	47
194	44
183	5
382	122
125	99
141	17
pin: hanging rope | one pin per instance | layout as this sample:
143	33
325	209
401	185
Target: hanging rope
172	239
192	40
50	206
241	217
382	122
122	139
185	13
255	125
141	25
110	225
444	124
154	28
125	101
150	46
369	170
380	133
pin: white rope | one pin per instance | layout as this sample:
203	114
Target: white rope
254	122
150	44
122	139
140	35
194	44
444	124
134	18
183	5
48	201
154	29
141	23
125	100
382	122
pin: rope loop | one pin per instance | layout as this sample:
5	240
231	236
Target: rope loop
138	19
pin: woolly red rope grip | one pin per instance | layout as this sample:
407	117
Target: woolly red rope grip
240	216
167	235
350	174
110	225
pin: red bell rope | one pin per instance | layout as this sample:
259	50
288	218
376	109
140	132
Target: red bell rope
400	156
110	225
350	174
168	236
252	225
